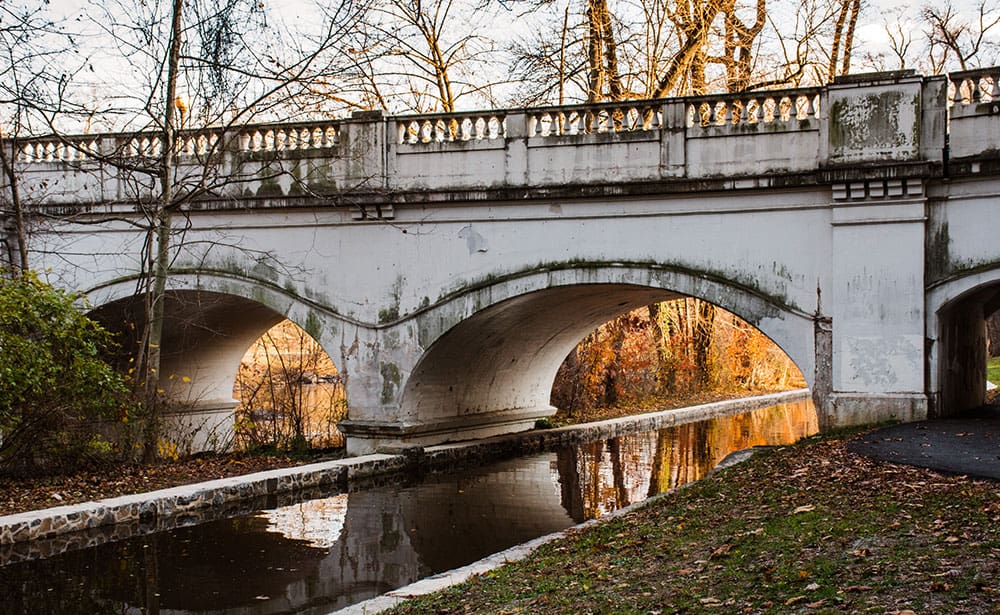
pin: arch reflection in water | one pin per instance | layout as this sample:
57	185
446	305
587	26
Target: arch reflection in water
324	554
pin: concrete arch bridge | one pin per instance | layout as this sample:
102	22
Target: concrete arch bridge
448	263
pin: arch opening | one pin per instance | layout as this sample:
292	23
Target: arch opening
291	394
965	353
670	354
206	336
497	365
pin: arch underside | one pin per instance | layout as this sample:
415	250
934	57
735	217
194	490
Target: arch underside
499	362
205	335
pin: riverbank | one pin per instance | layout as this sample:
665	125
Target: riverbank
808	528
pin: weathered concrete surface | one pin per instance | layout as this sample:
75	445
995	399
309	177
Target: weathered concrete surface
446	262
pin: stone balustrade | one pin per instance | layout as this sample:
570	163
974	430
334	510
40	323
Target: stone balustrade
746	137
437	128
620	117
782	109
972	87
974	113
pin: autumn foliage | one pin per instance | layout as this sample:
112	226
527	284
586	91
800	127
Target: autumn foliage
291	395
682	347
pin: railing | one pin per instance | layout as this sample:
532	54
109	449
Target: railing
630	116
59	150
972	87
775	107
438	128
275	137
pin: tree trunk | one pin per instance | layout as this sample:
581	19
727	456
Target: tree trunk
161	221
20	232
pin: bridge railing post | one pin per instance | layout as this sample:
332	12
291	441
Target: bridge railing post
365	147
516	149
673	133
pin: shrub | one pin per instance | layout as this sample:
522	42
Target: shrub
58	397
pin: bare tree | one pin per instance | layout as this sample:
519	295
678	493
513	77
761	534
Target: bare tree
952	36
32	56
424	55
219	63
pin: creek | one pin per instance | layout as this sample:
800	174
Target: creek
326	553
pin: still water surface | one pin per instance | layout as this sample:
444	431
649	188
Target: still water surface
328	553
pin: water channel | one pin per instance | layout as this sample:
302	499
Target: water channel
322	554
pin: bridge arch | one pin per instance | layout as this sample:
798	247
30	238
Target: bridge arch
492	351
209	323
957	310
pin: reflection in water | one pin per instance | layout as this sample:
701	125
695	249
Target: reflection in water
332	552
610	474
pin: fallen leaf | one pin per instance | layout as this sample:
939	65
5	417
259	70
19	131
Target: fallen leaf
816	605
812	587
795	600
802	509
721	551
858	588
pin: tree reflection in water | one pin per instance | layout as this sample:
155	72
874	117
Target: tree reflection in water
602	476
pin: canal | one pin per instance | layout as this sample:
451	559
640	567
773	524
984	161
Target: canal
322	554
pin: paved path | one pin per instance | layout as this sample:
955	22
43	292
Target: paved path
968	444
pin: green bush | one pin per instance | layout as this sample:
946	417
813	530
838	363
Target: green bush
59	400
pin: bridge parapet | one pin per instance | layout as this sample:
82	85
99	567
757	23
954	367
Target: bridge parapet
746	140
975	113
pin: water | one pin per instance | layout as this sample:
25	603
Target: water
323	554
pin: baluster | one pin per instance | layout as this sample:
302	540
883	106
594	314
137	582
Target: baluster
786	108
995	90
721	110
292	139
532	124
546	124
956	96
976	90
689	116
478	129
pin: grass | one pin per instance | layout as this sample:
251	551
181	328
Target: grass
809	528
993	370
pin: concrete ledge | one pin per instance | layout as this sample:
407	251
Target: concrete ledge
31	535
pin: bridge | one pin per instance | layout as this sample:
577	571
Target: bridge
448	263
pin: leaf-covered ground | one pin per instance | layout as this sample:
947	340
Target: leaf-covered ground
810	528
33	494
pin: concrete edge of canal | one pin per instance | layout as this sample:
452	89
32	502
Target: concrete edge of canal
35	534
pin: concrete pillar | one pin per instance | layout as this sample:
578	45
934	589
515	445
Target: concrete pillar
876	304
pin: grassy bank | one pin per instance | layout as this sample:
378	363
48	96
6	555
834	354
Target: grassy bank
993	370
808	528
